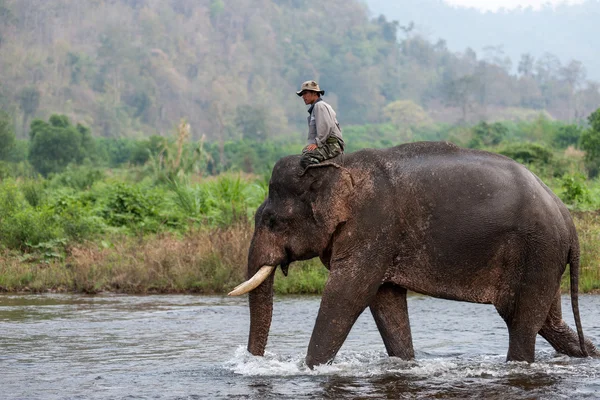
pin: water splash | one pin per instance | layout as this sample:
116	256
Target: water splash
374	364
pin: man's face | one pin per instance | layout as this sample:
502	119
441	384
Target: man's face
309	97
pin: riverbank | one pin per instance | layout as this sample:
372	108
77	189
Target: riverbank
203	262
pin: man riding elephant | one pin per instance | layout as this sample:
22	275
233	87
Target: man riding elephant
324	132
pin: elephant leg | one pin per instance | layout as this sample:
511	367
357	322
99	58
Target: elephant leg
390	312
524	317
346	295
521	343
561	336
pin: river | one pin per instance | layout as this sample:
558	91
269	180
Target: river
193	347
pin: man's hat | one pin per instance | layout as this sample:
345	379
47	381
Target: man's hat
310	85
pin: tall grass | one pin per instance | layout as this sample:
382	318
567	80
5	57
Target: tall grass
588	228
203	261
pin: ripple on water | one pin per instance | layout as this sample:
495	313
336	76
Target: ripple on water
186	347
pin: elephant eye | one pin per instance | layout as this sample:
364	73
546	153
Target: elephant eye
271	221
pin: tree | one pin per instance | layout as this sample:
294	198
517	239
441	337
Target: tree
252	122
526	65
494	55
461	93
7	135
485	134
56	144
547	67
590	143
406	113
568	135
574	75
29	99
388	29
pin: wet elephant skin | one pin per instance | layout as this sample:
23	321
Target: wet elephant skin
428	217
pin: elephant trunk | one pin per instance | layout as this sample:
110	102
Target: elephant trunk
261	297
261	314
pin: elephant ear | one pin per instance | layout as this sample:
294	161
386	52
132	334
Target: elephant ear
330	194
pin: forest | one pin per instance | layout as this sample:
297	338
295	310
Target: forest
134	68
137	136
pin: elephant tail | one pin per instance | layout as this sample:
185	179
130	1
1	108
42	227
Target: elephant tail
574	276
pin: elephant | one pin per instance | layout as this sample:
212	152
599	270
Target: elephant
427	217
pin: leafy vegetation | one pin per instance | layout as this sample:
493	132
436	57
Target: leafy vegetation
182	221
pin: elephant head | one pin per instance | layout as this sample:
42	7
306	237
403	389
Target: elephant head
297	221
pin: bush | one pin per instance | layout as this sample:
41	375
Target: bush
56	144
28	227
485	135
77	177
129	206
33	192
527	153
575	190
567	135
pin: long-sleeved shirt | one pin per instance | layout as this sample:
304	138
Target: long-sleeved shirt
322	124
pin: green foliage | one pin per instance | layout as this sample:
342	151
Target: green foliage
149	148
575	190
29	100
568	135
7	136
56	144
486	135
221	202
18	151
115	152
406	113
178	158
527	153
23	226
80	177
306	277
77	217
33	192
131	206
590	143
542	129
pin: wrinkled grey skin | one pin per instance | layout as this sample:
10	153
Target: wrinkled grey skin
427	217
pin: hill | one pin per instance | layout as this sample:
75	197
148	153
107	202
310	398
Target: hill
566	31
133	68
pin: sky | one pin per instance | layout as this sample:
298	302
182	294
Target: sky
494	5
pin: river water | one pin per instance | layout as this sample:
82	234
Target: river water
193	347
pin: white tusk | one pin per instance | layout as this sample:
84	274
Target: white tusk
253	282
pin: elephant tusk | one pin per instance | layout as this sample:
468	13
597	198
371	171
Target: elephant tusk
253	282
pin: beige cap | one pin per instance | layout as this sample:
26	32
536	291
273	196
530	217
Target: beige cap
310	85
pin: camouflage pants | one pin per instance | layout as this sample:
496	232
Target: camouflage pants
330	149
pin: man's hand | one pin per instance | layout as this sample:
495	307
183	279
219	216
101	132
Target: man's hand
311	147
